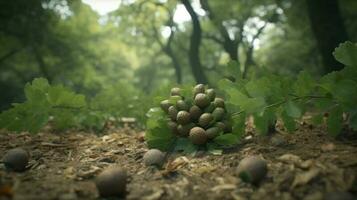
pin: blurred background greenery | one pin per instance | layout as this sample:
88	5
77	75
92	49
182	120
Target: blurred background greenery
125	51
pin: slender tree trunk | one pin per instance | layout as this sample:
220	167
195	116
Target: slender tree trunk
42	65
176	64
248	61
195	43
327	25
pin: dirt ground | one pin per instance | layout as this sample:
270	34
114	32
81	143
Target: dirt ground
306	165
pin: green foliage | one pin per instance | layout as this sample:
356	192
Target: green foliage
42	101
272	97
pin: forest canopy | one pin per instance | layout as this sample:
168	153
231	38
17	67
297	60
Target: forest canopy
139	47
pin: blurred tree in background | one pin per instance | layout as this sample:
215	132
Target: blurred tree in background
145	45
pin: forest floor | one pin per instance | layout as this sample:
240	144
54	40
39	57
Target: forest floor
305	165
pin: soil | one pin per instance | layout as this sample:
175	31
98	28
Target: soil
307	165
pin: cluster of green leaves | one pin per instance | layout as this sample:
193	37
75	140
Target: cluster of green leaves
287	98
159	136
42	102
63	108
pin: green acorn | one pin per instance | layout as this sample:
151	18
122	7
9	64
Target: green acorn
205	119
218	113
213	132
218	102
173	112
200	88
165	104
175	91
198	136
183	117
220	125
195	112
182	105
173	127
211	93
184	130
228	127
201	100
210	108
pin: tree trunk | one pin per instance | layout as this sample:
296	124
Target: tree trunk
42	65
195	43
176	64
327	25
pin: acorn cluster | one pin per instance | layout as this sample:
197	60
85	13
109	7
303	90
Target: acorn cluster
200	119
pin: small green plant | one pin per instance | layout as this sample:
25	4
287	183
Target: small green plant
267	99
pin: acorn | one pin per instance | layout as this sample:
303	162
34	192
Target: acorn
112	182
198	136
165	104
218	113
175	91
154	157
252	169
201	100
200	88
210	108
211	93
228	127
16	159
184	130
213	132
173	127
220	125
173	112
218	102
183	117
182	105
195	112
205	119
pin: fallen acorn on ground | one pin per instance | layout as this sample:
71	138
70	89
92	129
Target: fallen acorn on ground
16	159
112	182
154	157
200	117
252	169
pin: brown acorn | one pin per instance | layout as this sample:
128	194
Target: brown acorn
183	117
165	104
173	112
16	159
218	102
201	100
184	130
198	136
154	157
205	119
175	91
211	93
195	112
112	182
182	105
200	88
173	127
213	132
218	113
252	169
